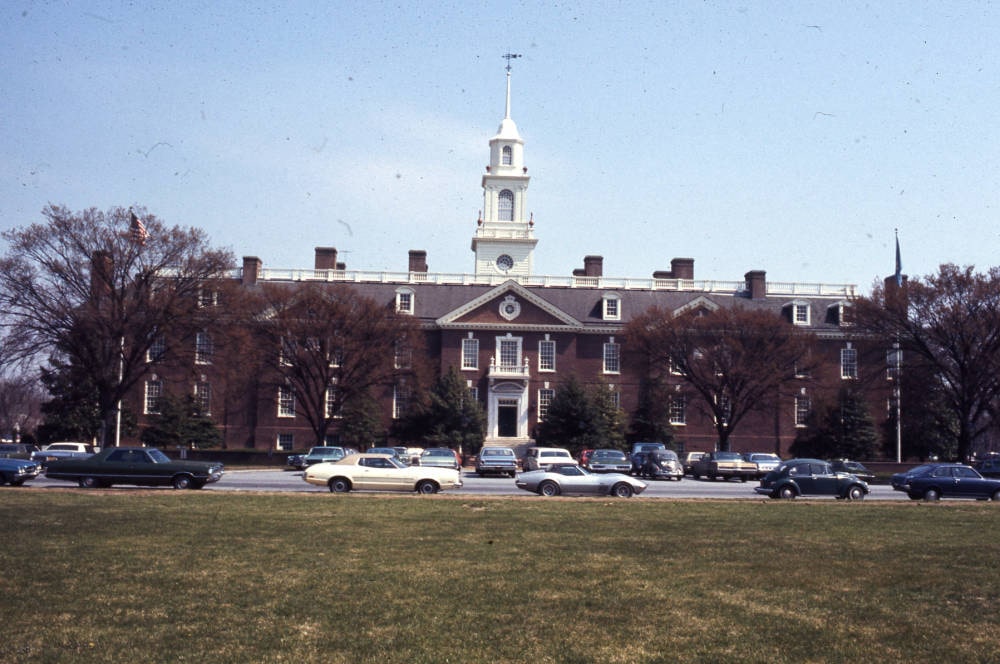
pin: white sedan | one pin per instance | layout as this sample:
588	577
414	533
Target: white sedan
380	472
574	479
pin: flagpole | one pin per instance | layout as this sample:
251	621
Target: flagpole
898	361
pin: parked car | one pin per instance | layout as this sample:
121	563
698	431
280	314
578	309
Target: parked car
661	464
854	468
765	462
543	457
16	472
636	456
296	461
989	467
63	450
381	472
500	460
440	457
607	461
723	465
145	466
689	460
810	477
933	481
16	450
571	478
322	453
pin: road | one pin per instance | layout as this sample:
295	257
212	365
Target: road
291	481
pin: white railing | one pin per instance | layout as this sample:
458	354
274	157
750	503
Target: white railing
605	283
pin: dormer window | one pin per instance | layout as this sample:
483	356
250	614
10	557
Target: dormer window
508	156
798	312
840	313
506	207
611	306
404	301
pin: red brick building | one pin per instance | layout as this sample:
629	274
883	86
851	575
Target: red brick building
515	335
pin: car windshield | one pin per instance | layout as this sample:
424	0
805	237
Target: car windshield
725	456
609	455
440	452
157	456
506	453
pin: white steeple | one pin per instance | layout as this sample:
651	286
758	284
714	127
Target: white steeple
504	241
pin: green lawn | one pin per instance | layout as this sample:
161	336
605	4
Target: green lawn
165	576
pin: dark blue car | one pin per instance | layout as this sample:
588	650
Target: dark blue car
946	480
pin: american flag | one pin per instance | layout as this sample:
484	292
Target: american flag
137	229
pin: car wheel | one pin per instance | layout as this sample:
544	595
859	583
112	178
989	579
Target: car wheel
743	478
16	482
548	489
932	494
427	487
622	490
87	483
181	482
786	493
513	473
339	485
855	493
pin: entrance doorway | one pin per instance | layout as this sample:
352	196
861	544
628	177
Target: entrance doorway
507	418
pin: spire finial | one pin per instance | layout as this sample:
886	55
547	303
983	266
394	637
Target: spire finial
508	57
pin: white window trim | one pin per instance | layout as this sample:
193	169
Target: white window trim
794	307
520	351
401	306
471	342
618	356
282	411
606	300
547	343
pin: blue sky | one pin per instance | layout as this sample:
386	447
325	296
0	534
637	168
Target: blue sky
789	137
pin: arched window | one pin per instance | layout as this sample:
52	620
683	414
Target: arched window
506	211
508	156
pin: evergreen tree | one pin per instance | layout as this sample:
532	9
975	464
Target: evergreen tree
360	425
450	417
651	420
181	424
844	429
573	420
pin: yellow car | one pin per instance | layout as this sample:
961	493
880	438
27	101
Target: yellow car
380	472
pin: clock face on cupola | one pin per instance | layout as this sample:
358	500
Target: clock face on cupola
504	241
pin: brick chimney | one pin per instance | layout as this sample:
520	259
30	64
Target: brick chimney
756	284
101	273
251	270
326	258
683	268
418	260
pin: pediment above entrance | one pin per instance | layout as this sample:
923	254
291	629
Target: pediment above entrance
700	306
508	305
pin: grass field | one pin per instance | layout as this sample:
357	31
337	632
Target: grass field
166	576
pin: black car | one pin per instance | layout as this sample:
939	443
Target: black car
990	466
145	466
810	477
854	468
946	480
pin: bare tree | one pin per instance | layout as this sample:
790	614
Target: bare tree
948	327
21	396
98	290
734	359
327	346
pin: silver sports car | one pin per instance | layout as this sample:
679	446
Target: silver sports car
573	479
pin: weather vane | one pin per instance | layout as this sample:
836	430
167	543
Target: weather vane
508	57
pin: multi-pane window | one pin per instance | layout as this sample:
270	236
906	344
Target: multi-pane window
506	209
287	351
286	442
157	349
545	396
612	357
400	399
612	307
154	394
848	363
203	348
510	353
893	361
678	410
402	355
208	297
404	301
725	409
286	402
800	313
203	398
473	393
802	408
547	355
332	409
470	353
507	157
